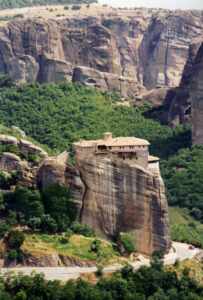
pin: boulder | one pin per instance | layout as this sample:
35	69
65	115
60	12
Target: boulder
29	147
16	128
6	139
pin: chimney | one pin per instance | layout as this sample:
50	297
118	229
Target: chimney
107	136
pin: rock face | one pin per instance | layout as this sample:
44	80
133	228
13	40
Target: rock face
23	70
11	162
164	48
48	260
56	71
180	106
121	197
196	96
105	81
120	53
52	171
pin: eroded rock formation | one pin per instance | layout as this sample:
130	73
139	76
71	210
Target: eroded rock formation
122	197
196	96
180	106
118	53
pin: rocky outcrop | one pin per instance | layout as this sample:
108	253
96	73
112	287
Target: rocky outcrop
105	81
196	96
16	128
23	69
48	260
121	197
11	162
180	106
29	147
120	53
164	48
8	140
54	70
52	171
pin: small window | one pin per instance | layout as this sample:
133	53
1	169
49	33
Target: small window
109	147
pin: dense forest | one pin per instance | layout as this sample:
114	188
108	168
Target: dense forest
4	4
153	283
59	114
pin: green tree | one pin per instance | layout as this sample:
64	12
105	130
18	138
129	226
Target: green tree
59	206
15	239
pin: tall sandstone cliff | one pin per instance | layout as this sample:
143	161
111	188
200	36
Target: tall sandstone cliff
180	105
123	197
196	96
125	54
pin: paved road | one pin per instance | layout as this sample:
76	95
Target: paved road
66	273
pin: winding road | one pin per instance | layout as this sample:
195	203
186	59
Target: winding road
65	273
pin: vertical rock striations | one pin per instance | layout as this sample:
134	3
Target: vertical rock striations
120	53
196	96
123	197
180	106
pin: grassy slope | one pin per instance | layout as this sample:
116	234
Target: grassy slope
78	246
181	230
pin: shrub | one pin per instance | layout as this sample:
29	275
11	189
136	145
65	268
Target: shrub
159	254
20	256
127	271
63	240
3	228
15	239
69	233
82	229
76	7
12	254
34	223
177	263
95	245
11	218
59	206
48	224
128	242
99	271
18	16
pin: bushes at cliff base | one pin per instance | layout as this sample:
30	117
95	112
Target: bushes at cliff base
128	242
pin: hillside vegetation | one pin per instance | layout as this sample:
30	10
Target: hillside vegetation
59	114
25	3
